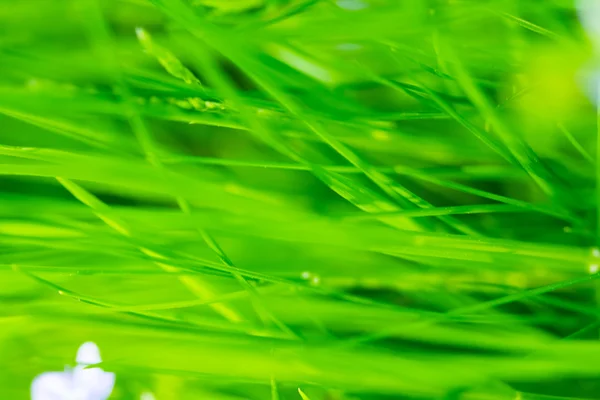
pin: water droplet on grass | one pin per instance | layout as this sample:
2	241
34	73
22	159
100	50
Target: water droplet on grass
313	279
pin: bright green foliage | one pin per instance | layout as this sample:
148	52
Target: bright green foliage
300	199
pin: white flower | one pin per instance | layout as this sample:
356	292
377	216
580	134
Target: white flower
78	383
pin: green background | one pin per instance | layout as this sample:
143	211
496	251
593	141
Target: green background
300	199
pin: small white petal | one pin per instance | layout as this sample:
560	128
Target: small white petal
147	396
93	383
52	386
88	353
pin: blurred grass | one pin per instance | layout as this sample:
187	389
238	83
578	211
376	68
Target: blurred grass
300	199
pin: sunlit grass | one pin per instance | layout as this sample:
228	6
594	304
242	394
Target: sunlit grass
300	199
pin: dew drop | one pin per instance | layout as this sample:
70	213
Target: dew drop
316	280
141	33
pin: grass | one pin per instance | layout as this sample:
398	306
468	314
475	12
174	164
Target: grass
300	199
